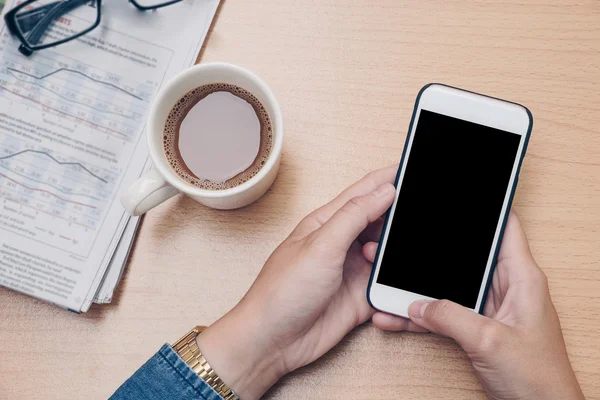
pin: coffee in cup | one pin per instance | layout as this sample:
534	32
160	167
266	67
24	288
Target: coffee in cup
217	136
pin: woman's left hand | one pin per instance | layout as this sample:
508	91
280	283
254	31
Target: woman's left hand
310	293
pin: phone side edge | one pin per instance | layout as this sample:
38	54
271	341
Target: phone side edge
388	212
513	190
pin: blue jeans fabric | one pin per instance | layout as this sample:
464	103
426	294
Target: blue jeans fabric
165	376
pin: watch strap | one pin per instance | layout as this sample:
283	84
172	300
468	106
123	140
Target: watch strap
188	350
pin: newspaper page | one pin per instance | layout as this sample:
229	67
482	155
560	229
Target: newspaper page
71	138
121	254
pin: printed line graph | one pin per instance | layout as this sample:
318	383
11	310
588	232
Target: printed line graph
45	106
55	160
75	72
45	191
84	94
61	182
68	99
55	187
62	191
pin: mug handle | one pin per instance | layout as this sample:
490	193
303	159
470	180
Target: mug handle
147	192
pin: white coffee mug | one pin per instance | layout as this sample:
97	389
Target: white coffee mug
161	183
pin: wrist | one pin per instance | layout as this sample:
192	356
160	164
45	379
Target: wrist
562	387
240	353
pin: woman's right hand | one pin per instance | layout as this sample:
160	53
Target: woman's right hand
516	347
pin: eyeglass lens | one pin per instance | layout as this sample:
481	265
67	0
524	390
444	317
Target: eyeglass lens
50	21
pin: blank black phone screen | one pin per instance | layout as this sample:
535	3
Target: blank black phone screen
448	209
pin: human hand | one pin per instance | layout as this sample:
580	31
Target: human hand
516	347
308	296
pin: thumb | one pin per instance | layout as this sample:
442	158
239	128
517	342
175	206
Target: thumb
354	216
453	320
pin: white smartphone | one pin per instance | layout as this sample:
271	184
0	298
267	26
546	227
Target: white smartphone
454	189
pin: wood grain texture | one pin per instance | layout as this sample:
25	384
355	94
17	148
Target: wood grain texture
346	73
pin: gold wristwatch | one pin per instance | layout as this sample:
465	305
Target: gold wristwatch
187	348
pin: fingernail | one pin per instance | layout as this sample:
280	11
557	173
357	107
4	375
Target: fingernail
417	309
383	190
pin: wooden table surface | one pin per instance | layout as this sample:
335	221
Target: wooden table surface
346	74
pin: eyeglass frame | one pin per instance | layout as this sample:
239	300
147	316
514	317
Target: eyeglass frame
11	22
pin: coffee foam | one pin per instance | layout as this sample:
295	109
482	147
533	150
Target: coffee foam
178	114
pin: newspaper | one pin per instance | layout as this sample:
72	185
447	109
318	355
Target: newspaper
119	259
71	139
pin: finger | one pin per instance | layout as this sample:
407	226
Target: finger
366	185
453	320
515	255
349	221
369	250
389	322
514	242
372	233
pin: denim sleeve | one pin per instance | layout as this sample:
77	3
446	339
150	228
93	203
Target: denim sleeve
165	376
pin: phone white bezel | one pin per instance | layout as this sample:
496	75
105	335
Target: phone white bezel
467	106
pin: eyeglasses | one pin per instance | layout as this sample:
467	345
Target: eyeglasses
40	24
